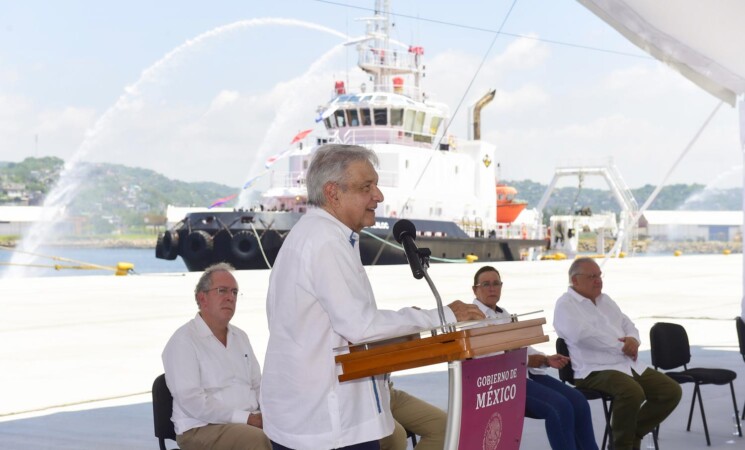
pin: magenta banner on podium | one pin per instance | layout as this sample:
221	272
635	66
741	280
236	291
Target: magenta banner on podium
493	406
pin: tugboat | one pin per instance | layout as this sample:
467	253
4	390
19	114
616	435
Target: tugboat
446	186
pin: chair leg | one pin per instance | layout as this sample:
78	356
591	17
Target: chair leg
411	435
608	432
703	414
737	414
693	405
655	434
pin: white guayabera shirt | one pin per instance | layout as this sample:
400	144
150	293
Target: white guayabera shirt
319	299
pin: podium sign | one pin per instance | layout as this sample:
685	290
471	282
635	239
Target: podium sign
493	401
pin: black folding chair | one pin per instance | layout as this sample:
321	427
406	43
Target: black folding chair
162	411
566	374
670	349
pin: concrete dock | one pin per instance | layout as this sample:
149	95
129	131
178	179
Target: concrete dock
79	354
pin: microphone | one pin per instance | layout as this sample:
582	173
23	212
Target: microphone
405	232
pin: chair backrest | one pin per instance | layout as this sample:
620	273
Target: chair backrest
740	321
566	373
669	345
162	410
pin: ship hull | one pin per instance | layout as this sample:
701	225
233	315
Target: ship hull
252	240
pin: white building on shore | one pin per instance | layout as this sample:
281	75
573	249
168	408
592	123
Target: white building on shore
15	220
692	225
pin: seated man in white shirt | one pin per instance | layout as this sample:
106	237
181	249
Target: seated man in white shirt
604	346
213	374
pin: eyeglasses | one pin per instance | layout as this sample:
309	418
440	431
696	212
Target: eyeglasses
224	290
487	284
592	276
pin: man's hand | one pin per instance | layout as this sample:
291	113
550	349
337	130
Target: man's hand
630	347
557	361
465	312
255	420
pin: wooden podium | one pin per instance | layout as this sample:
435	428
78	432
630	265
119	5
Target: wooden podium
452	344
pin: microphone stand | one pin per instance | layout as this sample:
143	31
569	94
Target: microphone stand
424	254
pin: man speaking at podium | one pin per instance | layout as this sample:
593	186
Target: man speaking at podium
319	299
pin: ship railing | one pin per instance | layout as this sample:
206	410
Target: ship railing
291	179
383	135
391	60
407	90
474	227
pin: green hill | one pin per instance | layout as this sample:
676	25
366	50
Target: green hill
124	199
113	197
566	200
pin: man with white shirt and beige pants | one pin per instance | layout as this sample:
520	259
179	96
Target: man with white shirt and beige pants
213	374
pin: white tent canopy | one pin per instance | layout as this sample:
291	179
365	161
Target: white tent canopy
703	40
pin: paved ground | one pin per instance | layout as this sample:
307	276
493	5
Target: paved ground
80	353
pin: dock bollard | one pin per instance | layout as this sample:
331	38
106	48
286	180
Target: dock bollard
123	268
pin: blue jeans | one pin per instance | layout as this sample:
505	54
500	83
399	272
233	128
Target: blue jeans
565	411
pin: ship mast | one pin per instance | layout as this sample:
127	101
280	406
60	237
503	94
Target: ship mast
383	63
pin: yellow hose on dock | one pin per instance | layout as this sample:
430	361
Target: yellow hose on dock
122	268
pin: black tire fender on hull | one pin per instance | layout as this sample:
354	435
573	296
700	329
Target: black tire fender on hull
167	245
198	245
244	245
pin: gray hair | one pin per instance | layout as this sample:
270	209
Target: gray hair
205	281
329	165
576	266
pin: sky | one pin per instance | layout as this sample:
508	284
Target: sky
206	91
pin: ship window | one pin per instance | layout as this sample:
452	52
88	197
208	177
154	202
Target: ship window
365	116
406	164
340	119
397	117
456	170
419	122
434	125
305	164
328	122
354	119
409	120
347	116
381	116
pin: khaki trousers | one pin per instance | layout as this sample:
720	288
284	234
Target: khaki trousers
417	416
231	436
640	402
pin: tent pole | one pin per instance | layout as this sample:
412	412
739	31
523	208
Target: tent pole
741	107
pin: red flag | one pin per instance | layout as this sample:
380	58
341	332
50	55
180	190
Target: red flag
221	201
299	136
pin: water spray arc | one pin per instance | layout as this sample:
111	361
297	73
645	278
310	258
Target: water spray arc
74	173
